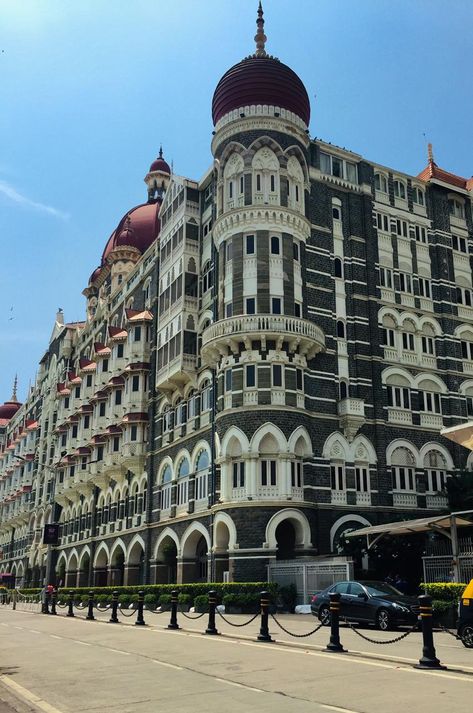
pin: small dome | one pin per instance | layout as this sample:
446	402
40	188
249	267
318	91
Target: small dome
9	409
160	164
95	274
137	229
260	80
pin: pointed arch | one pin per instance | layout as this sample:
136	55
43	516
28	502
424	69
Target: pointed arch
131	555
271	430
336	447
191	537
222	518
165	534
233	437
300	440
102	556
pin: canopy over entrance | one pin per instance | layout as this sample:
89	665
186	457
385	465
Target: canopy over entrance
444	524
462	434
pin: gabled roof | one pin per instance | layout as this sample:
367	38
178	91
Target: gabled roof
432	171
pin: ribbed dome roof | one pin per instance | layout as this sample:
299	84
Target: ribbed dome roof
9	409
260	79
137	229
160	164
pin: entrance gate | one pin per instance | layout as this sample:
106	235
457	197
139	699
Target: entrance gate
310	576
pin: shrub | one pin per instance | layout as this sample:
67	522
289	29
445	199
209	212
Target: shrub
124	599
246	602
164	601
288	597
445	591
201	603
84	599
102	598
184	599
151	601
441	606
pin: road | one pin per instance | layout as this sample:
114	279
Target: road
60	665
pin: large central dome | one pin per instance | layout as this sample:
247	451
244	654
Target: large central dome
260	80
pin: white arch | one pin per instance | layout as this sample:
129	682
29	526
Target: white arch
464	331
183	453
430	377
167	532
72	554
195	527
362	450
118	544
102	549
200	446
297	519
268	429
346	518
234	433
396	371
465	387
336	447
300	433
165	462
401	443
85	551
224	518
388	312
136	540
432	446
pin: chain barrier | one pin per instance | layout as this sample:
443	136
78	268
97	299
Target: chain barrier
62	606
233	624
154	611
297	636
189	616
447	631
413	628
105	608
132	612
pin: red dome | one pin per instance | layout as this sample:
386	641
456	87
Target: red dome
95	274
260	80
9	409
138	229
160	164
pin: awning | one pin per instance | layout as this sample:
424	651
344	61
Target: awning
462	434
407	527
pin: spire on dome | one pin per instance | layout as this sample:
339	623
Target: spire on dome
160	155
15	385
430	153
260	37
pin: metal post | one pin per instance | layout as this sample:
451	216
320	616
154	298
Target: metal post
139	616
90	613
429	658
173	623
264	629
211	628
53	601
46	603
114	617
334	642
70	611
455	548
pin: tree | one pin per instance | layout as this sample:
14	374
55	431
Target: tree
460	491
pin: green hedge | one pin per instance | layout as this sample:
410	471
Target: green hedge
157	590
445	591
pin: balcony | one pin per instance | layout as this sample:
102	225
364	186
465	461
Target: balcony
431	420
133	456
437	501
301	334
399	415
113	466
363	498
405	500
339	497
177	372
351	413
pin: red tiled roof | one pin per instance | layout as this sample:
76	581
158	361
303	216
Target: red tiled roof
136	315
128	417
117	333
87	365
101	349
432	171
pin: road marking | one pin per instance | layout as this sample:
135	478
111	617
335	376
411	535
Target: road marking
3	624
337	708
117	651
20	628
168	665
239	685
34	631
53	636
84	643
27	695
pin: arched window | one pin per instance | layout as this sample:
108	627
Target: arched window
183	469
167	475
232	174
388	332
418	196
435	466
400	189
403	470
380	182
295	184
341	329
202	475
338	267
336	212
265	167
343	389
183	482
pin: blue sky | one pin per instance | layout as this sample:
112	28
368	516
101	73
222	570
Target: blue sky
90	89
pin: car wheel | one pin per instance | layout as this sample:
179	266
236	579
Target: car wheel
466	635
383	620
324	615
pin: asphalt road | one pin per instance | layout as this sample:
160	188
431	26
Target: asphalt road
60	665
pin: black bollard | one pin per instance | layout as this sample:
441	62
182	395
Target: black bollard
114	616
264	629
211	628
53	601
90	613
46	603
139	615
334	643
429	658
70	611
173	623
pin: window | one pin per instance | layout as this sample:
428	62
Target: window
436	481
276	305
135	383
272	183
258	182
428	345
120	349
229	250
404	478
86	422
341	329
460	244
362	479
405	282
88	380
207	277
299	379
77	392
250	305
456	208
74	431
429	402
380	183
382	222
118	397
399	397
296	474
105	365
386	277
66	402
408	341
388	338
277	375
343	390
134	433
399	189
297	309
100	453
337	477
102	406
116	444
268	472
250	376
338	269
420	233
402	228
228	309
464	296
275	245
239	474
230	189
228	380
205	396
295	251
250	244
469	405
424	287
338	167
137	334
336	213
467	350
242	184
418	196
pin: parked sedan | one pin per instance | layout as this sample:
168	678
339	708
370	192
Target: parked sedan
375	603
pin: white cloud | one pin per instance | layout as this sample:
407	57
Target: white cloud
12	194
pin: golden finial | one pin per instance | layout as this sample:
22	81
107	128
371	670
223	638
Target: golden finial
260	37
15	384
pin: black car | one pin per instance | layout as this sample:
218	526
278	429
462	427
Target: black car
375	603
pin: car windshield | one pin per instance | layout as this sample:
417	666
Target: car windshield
377	589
